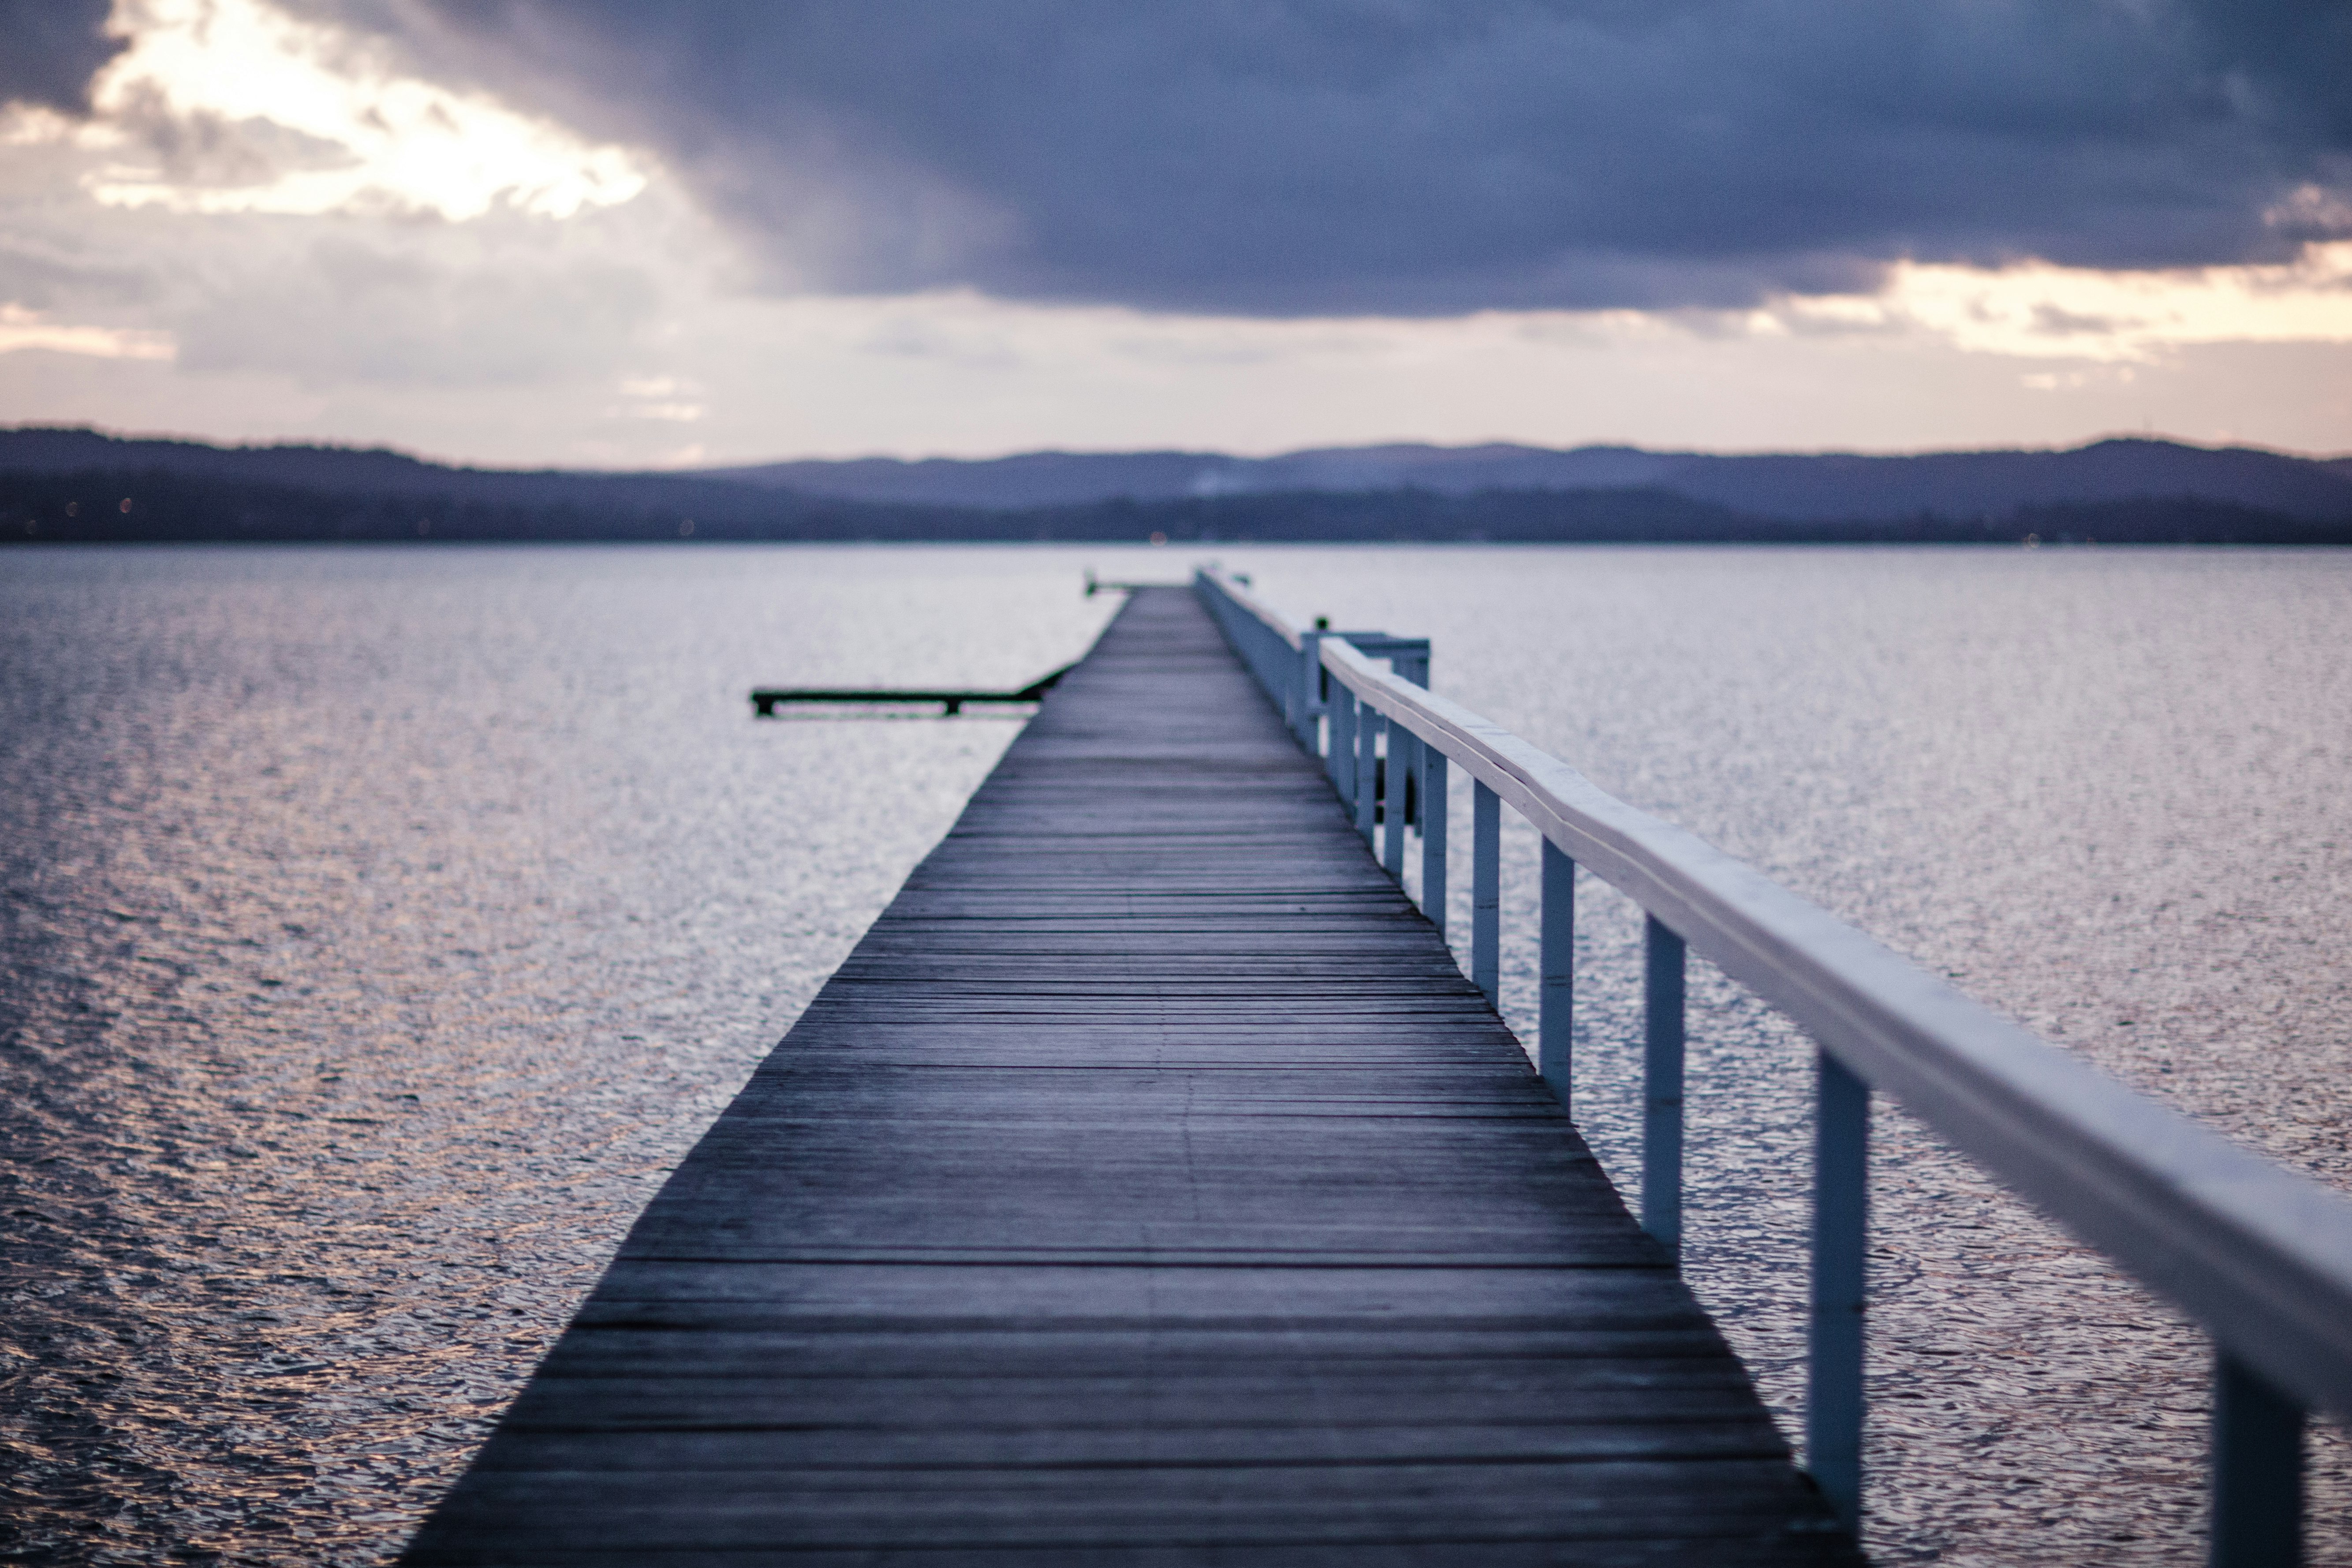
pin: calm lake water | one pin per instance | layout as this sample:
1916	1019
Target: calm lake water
376	928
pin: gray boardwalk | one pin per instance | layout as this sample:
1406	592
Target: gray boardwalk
1148	1187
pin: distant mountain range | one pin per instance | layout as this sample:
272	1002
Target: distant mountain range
68	484
1792	488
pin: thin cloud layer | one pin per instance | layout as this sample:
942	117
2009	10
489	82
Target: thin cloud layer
1384	156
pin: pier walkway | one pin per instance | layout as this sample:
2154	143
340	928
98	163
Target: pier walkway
1148	1187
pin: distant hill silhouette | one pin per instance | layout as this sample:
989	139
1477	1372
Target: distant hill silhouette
1797	488
64	485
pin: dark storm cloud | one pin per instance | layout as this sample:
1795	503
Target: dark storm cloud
1325	156
1353	155
51	48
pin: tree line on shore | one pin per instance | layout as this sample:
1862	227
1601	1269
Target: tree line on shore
156	505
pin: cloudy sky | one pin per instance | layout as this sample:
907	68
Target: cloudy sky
662	232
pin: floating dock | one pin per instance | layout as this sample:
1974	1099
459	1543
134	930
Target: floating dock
1148	1187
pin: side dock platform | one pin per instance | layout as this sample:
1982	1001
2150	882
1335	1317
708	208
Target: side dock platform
1148	1187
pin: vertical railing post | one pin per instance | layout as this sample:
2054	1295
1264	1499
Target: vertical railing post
1341	762
1405	753
1840	1224
1368	767
1433	837
1556	975
1486	892
1336	741
1305	709
1395	771
1662	1084
2257	1470
1280	668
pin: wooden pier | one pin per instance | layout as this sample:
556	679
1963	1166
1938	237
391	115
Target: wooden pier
1148	1187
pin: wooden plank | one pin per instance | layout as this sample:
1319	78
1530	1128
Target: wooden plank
961	1442
1581	1360
1148	1188
1765	1550
1200	1407
947	1506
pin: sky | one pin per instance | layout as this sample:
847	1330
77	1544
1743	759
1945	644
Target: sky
671	233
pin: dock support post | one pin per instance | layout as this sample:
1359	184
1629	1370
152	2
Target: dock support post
1841	1220
1487	893
1556	975
2257	1470
1433	837
1662	1085
1367	767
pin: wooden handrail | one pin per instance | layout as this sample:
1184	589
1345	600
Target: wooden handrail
2262	1257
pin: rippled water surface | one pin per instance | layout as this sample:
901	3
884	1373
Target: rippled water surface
378	927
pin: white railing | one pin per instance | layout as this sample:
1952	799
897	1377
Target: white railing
2261	1257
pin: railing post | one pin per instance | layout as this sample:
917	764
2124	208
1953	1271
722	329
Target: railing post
1406	752
1662	1085
2257	1470
1433	837
1556	974
1486	892
1279	674
1304	709
1841	1220
1394	771
1341	762
1368	767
